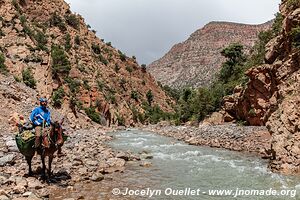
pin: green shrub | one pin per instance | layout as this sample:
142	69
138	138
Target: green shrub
18	79
117	68
100	85
86	85
252	112
73	21
96	49
41	40
149	97
122	83
134	95
295	33
57	97
129	69
57	21
77	40
93	115
155	114
111	98
68	44
108	44
103	60
60	62
81	68
293	3
28	31
75	103
144	68
28	78
122	55
23	19
73	84
3	68
121	120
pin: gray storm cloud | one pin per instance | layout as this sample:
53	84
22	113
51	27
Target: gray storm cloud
149	28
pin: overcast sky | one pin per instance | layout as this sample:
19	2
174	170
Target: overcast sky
149	28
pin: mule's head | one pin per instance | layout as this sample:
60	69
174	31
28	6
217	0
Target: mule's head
57	131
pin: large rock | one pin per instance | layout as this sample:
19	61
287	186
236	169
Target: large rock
7	159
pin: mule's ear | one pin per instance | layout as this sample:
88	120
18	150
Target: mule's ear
62	121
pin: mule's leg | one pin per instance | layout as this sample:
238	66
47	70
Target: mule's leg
44	166
29	159
49	165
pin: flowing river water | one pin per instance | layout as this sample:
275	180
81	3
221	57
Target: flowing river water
180	171
178	166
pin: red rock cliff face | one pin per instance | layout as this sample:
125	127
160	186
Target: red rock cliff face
195	61
106	78
272	95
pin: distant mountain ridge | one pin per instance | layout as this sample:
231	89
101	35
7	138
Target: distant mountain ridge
195	61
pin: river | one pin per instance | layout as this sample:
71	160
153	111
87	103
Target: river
179	171
179	166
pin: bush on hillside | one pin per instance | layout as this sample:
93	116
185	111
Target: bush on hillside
57	97
3	68
28	78
57	21
73	21
60	62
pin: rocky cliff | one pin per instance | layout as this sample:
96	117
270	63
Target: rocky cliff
195	61
271	96
52	50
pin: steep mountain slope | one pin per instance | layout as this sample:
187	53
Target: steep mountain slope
271	97
70	65
195	61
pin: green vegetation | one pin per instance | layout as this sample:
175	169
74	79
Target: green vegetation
108	44
154	114
134	95
3	68
57	21
41	40
149	97
28	78
60	62
100	85
73	84
18	79
129	69
103	60
111	98
259	50
86	85
196	104
77	40
68	44
295	33
293	3
73	21
121	120
122	55
144	68
57	97
96	49
117	68
93	115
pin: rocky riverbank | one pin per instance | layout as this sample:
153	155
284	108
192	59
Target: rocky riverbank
250	139
87	159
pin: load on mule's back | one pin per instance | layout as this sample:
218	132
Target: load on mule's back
41	136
